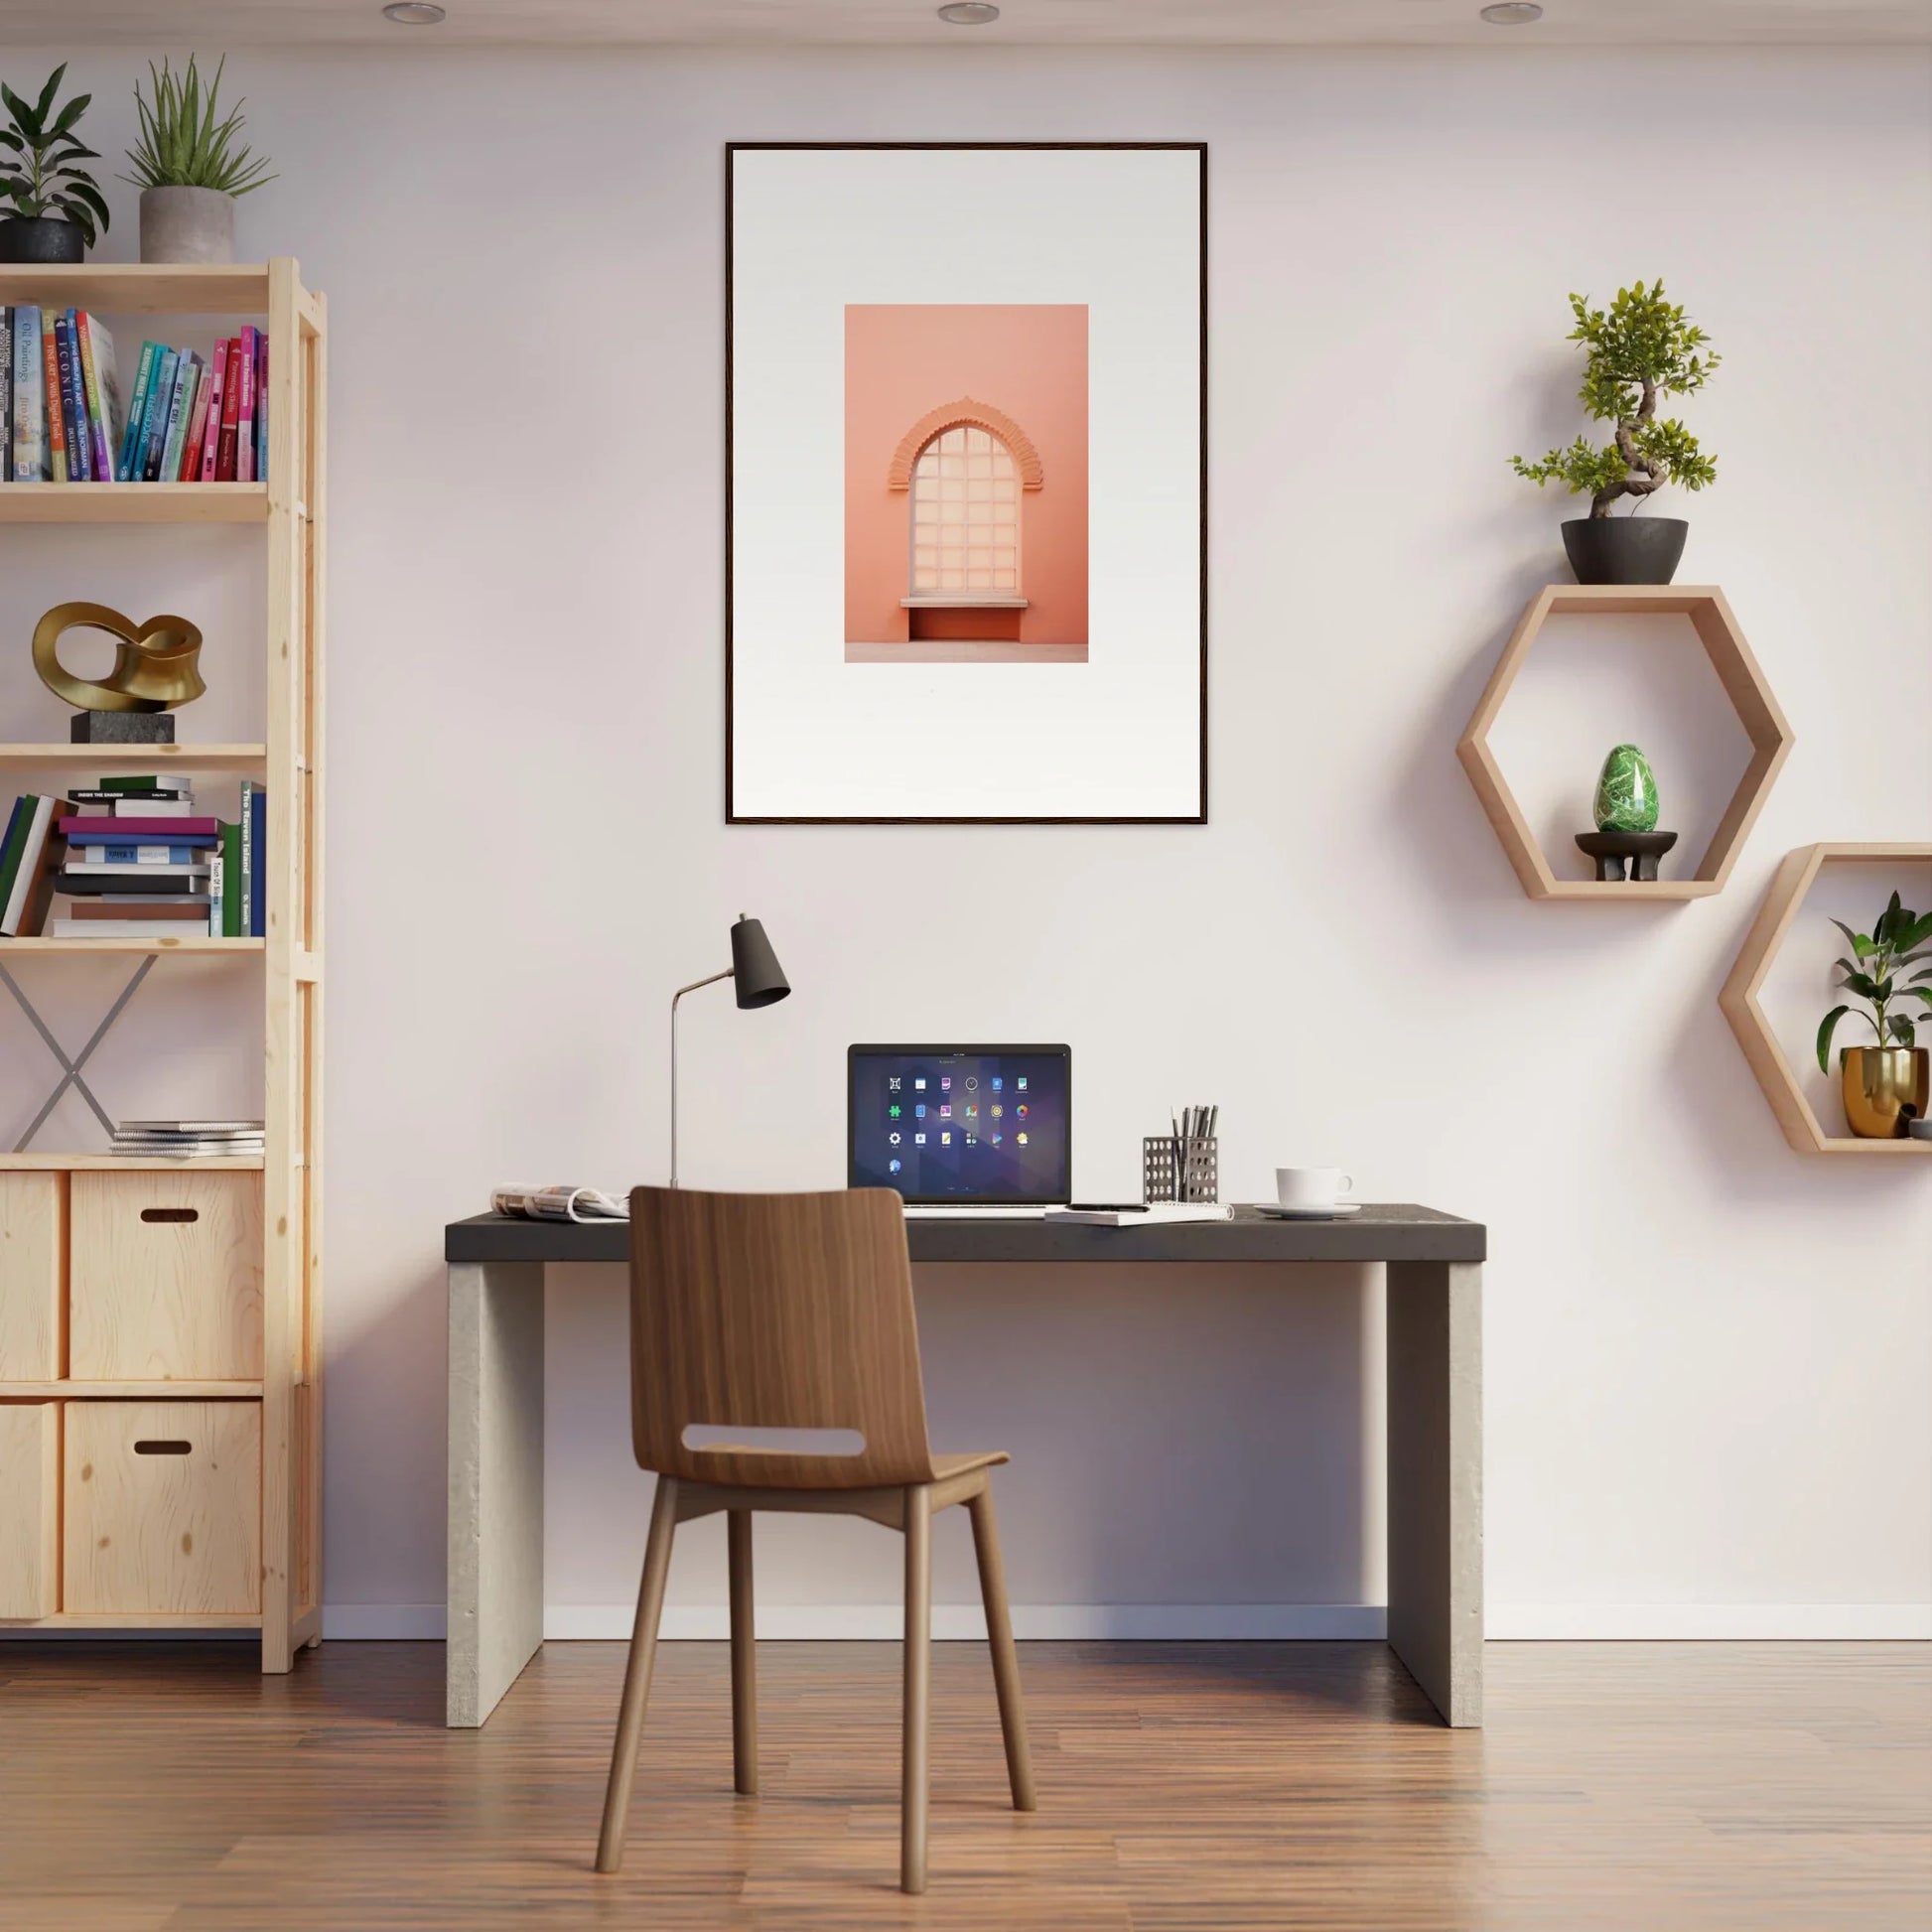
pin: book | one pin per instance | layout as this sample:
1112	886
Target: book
190	466
33	875
88	882
116	929
256	847
73	410
126	831
17	822
230	416
103	392
135	781
244	465
154	426
6	394
200	1128
30	413
57	426
94	854
174	905
217	371
231	890
178	412
1155	1214
137	406
261	405
151	799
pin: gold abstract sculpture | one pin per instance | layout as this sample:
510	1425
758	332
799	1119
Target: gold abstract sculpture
154	662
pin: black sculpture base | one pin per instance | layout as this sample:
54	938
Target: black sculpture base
122	728
1610	850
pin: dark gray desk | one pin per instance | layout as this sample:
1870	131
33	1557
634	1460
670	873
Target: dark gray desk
1435	1419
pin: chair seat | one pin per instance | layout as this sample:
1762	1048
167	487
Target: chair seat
944	1468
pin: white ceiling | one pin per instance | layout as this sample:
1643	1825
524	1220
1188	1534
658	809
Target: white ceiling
215	24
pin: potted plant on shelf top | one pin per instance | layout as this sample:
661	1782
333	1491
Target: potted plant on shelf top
52	208
188	167
1885	1085
1637	351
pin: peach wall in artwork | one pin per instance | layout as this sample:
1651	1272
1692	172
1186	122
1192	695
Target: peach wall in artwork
904	361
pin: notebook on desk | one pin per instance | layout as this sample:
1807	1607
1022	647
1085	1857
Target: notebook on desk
962	1130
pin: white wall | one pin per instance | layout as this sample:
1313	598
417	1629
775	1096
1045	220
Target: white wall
1707	1358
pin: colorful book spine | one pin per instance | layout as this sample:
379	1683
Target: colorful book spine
244	462
17	823
190	466
137	404
74	402
259	864
230	416
135	854
261	405
6	395
135	830
33	882
161	396
178	410
103	400
57	419
217	383
30	420
228	873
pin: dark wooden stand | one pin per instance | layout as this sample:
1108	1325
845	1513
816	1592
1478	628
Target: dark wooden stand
1611	850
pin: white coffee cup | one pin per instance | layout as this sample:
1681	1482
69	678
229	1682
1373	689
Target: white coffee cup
1311	1186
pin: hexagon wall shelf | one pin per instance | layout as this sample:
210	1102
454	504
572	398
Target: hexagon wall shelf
1744	683
1738	999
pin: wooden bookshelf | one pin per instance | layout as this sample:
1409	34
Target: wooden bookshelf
287	514
134	502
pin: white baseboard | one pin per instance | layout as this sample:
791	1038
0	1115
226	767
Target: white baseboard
1709	1622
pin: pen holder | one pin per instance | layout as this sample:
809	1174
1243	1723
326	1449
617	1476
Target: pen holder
1180	1169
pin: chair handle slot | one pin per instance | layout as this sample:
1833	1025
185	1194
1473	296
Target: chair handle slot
150	1446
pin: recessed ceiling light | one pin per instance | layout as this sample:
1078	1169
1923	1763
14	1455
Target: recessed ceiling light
1512	13
413	13
969	13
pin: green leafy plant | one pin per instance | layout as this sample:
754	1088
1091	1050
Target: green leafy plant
183	145
1898	941
38	152
1637	350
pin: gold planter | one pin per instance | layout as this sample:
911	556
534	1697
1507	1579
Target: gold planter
1884	1087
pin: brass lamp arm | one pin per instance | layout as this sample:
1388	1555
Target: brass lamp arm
712	980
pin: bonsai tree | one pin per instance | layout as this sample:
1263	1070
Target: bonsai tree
1896	941
38	150
1637	350
181	144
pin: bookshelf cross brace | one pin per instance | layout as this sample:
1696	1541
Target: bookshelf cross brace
71	1076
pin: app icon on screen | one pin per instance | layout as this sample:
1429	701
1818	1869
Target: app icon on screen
997	1110
1021	1138
1021	1083
1021	1110
919	1110
945	1140
919	1083
945	1112
945	1083
996	1083
996	1140
894	1138
972	1081
970	1142
919	1139
893	1083
893	1167
972	1113
892	1110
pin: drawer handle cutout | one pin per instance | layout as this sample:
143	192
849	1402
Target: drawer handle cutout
153	1448
170	1214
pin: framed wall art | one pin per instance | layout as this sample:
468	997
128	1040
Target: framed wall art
966	482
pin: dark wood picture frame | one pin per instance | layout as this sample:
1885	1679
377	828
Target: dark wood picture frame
731	149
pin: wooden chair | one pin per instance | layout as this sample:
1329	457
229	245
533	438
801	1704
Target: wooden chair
793	1311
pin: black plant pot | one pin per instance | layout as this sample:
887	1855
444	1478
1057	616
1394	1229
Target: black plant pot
40	239
1625	549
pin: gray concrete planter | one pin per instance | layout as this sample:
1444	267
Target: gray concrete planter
186	224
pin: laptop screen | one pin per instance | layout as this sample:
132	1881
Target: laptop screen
968	1123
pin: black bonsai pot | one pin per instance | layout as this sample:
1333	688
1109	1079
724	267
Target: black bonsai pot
40	239
1625	549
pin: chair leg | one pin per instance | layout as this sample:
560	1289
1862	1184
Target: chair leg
636	1676
1006	1659
745	1668
914	1771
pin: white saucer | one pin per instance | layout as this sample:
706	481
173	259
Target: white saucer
1268	1211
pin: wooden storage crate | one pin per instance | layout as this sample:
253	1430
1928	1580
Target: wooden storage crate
33	1247
163	1507
30	1508
165	1278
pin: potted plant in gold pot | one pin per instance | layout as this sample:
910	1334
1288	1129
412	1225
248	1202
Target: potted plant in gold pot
1886	1085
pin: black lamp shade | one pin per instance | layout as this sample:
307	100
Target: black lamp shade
756	977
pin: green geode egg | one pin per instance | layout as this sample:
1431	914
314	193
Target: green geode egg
1626	793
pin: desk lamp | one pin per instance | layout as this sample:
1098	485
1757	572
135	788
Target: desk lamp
758	981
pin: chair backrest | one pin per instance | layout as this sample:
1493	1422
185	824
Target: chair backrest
774	1312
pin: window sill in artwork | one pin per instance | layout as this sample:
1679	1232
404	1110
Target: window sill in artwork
964	600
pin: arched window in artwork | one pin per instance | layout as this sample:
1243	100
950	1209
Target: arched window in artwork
965	535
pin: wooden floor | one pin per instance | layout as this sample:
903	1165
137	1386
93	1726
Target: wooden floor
1633	1787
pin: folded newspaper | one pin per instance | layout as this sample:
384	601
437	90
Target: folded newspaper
559	1204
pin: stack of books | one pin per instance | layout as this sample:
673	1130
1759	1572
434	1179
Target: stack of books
189	419
188	1140
137	861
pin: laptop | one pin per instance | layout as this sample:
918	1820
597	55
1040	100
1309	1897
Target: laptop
980	1130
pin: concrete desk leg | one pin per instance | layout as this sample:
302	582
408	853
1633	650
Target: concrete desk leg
1435	1329
496	1613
